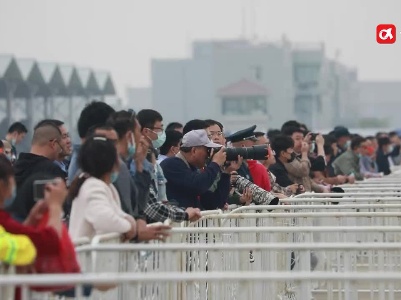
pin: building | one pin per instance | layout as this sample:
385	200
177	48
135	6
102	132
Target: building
326	92
380	102
241	83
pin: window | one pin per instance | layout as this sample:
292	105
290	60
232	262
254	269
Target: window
303	74
244	105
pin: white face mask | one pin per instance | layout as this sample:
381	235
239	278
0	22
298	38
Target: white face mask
390	149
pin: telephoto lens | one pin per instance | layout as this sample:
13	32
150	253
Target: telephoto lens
255	152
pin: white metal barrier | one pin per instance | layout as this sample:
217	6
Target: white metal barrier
228	259
360	234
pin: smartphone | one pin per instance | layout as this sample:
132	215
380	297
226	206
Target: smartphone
39	188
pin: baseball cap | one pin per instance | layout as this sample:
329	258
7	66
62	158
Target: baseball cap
197	138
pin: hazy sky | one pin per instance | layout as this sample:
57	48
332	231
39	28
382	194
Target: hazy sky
123	36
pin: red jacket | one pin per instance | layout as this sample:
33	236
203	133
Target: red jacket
46	240
259	175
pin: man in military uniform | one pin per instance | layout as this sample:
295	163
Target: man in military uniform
236	139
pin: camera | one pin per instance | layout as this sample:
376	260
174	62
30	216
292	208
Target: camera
313	136
255	152
39	188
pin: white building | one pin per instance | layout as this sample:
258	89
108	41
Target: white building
240	83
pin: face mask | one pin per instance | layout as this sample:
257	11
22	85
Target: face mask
359	155
9	201
131	150
161	138
9	157
13	142
293	156
390	148
347	145
114	177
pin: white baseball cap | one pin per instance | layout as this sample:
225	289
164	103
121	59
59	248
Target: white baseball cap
196	138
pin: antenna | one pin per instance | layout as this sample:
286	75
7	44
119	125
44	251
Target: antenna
243	13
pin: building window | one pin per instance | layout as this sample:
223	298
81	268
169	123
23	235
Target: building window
307	74
244	105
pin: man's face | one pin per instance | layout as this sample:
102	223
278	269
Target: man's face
153	132
362	148
365	148
287	154
199	156
262	140
341	141
298	138
18	137
65	141
216	135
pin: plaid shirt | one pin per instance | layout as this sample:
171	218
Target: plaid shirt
276	188
159	212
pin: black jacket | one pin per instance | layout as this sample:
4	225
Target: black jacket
28	168
281	173
382	160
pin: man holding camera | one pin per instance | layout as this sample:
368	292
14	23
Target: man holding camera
189	181
247	138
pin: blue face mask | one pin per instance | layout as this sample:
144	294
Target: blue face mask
9	201
131	150
114	177
161	138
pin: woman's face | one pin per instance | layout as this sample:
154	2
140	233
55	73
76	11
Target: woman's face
6	189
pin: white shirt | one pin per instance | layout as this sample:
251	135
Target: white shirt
97	210
161	157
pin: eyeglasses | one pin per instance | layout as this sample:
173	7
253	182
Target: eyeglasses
214	133
157	129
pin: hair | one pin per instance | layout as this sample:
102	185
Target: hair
258	134
122	122
383	141
370	138
96	158
45	133
1	144
6	169
17	127
289	131
211	122
380	133
356	142
186	149
291	123
304	127
148	117
281	143
272	133
54	122
173	138
174	126
329	139
194	125
392	134
328	150
95	113
93	129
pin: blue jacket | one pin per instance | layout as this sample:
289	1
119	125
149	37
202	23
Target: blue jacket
190	187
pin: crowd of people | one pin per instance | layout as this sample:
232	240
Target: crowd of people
130	170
